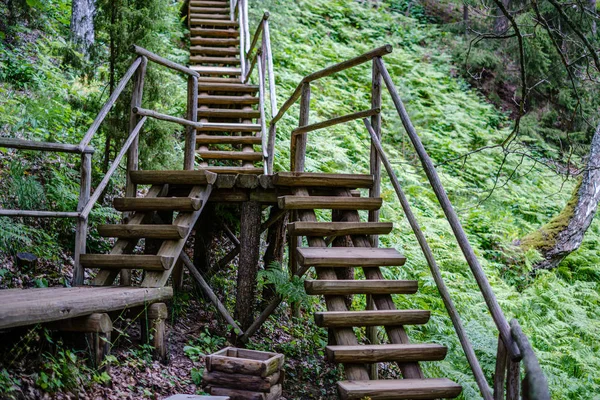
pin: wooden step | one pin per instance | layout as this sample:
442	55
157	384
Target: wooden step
127	261
212	22
209	10
309	179
349	257
201	15
215	60
400	389
374	353
185	204
227	100
214	41
339	228
226	87
217	71
218	79
228	113
349	319
164	177
234	170
128	231
219	51
213	139
220	33
230	155
347	287
328	203
214	3
228	127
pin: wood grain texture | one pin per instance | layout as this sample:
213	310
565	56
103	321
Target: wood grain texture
333	319
308	179
157	204
399	389
349	256
126	261
339	228
375	353
328	203
372	286
142	231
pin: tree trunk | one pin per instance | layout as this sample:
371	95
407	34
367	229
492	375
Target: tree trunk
501	24
82	24
564	233
248	263
466	18
593	6
276	236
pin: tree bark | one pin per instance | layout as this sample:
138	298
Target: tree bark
501	24
593	6
565	232
276	239
466	18
248	263
82	24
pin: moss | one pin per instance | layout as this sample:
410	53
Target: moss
545	237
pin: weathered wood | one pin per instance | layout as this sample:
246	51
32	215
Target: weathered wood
339	228
165	232
371	286
39	214
399	389
500	372
435	270
328	202
349	256
271	73
94	198
157	316
109	104
227	87
386	353
134	119
248	262
203	41
162	61
298	155
32	306
230	155
185	204
459	233
535	384
208	292
177	177
216	71
335	319
242	361
241	381
229	113
214	139
26	262
335	121
309	179
261	108
220	33
513	378
226	100
192	115
81	231
239	394
21	144
375	160
127	261
97	322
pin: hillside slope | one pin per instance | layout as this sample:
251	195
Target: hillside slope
557	309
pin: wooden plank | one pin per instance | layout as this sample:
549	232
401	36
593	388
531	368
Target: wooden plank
241	381
348	287
310	179
203	15
142	231
214	139
226	100
328	202
184	204
339	228
177	177
228	127
226	87
375	353
67	303
230	155
349	256
126	261
228	113
213	42
399	389
43	146
215	60
220	33
212	22
274	394
97	322
334	319
208	70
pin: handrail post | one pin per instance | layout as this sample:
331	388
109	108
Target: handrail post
136	101
192	115
261	100
242	40
500	373
375	167
82	222
452	217
298	152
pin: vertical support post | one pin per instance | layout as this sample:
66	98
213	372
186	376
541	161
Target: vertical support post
82	223
154	326
248	262
242	40
299	154
373	339
513	374
270	68
192	115
246	24
500	373
375	167
261	100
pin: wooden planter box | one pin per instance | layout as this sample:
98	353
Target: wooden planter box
244	374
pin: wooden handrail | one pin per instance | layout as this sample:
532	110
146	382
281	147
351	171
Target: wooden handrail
38	214
535	384
11	143
335	121
434	268
452	217
353	62
140	51
164	117
259	30
94	198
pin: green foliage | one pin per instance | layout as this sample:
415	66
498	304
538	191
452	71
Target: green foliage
9	386
291	290
204	344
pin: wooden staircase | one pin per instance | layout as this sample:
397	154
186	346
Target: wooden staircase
232	142
164	223
351	248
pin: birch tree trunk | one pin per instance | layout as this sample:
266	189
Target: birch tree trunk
82	24
564	233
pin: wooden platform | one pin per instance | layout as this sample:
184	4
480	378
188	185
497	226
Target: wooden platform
20	307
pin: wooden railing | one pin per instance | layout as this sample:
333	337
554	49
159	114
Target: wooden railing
130	148
513	344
